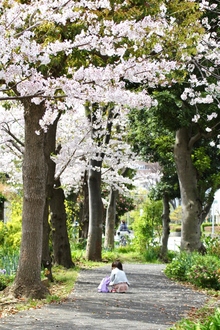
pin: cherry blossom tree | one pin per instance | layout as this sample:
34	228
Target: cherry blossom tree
62	54
202	94
194	103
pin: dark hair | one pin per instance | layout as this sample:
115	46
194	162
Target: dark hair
117	264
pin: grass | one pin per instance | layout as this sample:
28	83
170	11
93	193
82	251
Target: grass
64	280
206	318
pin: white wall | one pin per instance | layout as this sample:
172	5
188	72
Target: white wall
215	209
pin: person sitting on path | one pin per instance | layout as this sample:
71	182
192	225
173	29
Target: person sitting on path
118	279
124	227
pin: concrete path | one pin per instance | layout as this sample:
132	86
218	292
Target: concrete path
152	303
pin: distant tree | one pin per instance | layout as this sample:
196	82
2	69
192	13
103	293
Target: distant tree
148	227
156	146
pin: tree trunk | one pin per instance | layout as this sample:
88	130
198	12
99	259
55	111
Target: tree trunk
84	212
190	201
110	220
56	199
28	278
94	242
166	226
46	255
61	245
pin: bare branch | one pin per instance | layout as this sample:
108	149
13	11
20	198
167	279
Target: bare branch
8	131
70	158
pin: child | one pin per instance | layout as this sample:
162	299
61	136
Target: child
118	278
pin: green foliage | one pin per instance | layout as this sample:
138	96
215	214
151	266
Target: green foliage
124	204
201	271
126	254
5	280
78	244
2	233
77	255
212	245
154	147
10	237
9	261
201	159
72	213
148	226
52	299
10	232
212	322
180	265
152	254
205	273
170	106
176	215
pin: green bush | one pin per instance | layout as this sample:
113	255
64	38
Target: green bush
207	224
152	254
10	232
205	272
179	266
148	226
212	245
5	280
201	271
9	260
210	323
10	263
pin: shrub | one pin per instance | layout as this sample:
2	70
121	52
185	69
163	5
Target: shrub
212	245
211	322
205	273
9	261
179	266
152	254
201	271
10	232
148	226
5	280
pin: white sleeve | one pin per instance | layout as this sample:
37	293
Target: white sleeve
112	277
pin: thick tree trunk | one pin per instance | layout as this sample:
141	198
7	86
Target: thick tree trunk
94	242
61	245
28	278
110	220
190	201
166	226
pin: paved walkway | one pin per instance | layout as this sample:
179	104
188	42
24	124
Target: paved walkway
152	303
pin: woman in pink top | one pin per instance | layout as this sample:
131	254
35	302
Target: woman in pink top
118	278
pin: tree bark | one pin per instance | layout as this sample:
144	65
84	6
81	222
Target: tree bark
166	226
28	278
84	212
190	201
61	245
110	220
94	242
56	199
46	253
